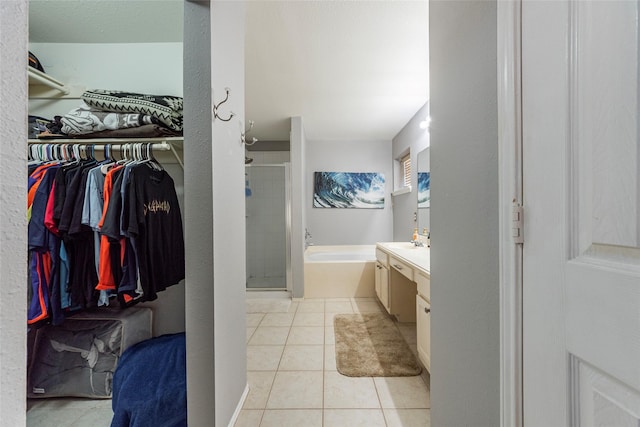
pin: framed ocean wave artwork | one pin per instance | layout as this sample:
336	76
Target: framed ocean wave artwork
424	192
364	190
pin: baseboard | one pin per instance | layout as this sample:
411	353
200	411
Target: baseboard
236	413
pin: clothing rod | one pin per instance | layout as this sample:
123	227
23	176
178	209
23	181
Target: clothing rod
166	145
158	146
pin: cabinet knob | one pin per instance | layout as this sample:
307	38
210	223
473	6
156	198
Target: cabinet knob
427	310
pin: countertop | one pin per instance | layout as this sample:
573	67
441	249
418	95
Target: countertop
418	256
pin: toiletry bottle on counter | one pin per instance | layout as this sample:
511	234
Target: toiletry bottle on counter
415	235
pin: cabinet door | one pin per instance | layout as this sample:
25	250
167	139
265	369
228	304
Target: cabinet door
382	285
377	281
384	288
423	331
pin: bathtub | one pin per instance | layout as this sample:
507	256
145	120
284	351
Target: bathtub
344	271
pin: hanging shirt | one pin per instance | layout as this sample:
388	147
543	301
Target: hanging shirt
155	222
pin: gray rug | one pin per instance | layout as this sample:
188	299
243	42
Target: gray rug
370	345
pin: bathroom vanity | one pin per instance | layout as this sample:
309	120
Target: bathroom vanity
402	284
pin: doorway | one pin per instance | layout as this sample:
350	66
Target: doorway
268	227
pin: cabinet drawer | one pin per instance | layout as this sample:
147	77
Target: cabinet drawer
424	284
403	268
382	257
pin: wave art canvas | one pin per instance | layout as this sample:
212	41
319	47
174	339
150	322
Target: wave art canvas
348	190
424	192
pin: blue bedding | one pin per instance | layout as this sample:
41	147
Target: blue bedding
150	385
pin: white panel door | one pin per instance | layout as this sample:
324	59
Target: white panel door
581	186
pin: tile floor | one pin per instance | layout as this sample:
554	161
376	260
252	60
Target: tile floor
293	378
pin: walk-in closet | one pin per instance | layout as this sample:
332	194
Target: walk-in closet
135	50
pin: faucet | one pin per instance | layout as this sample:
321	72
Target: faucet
307	238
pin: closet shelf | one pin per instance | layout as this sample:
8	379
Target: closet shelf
159	144
42	85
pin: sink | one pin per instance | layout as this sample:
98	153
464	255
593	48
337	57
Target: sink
401	245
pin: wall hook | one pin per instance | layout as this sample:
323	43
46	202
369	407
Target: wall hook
243	135
216	106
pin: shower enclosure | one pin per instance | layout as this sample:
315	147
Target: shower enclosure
268	207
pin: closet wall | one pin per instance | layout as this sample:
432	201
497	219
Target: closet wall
151	68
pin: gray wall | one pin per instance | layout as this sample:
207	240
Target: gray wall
349	226
214	213
465	387
198	220
298	205
406	205
229	259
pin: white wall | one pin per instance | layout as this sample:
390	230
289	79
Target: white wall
465	358
13	229
348	226
405	206
152	68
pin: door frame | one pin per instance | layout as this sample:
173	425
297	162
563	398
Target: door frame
510	194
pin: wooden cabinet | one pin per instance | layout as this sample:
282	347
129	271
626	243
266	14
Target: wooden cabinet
382	285
423	318
403	285
423	331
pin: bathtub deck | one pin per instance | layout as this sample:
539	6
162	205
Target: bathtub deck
339	279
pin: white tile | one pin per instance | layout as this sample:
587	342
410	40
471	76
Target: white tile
260	383
302	358
338	307
330	358
349	392
292	418
263	357
269	335
353	418
295	390
328	318
403	392
267	305
293	307
329	336
277	319
306	335
254	319
311	306
249	418
308	319
407	417
250	332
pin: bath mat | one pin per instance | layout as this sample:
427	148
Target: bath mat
370	345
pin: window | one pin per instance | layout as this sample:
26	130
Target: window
402	174
405	164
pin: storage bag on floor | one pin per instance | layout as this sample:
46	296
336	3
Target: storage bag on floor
79	357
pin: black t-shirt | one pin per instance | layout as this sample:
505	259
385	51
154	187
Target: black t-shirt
155	223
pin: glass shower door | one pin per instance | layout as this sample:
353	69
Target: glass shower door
266	191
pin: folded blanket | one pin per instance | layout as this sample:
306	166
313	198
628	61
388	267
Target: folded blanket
166	108
85	119
150	384
145	131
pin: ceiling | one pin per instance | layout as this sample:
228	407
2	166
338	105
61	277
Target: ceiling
353	70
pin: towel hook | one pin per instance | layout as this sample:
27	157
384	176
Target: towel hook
216	106
243	135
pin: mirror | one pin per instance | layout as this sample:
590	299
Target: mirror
424	190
